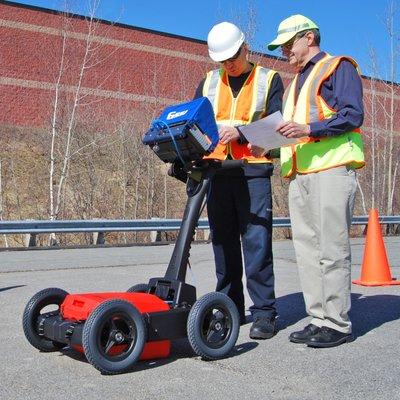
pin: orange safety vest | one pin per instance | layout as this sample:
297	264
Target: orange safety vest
317	154
248	106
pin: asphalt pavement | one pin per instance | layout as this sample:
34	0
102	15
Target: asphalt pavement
368	368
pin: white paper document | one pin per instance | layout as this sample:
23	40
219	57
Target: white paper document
262	133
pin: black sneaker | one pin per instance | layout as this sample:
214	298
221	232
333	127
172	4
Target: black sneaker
262	328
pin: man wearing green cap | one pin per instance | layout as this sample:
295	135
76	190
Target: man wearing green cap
322	107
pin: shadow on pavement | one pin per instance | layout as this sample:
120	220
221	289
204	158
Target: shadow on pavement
180	349
370	312
291	309
367	312
10	287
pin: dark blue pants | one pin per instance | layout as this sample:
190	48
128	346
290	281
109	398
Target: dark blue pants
240	215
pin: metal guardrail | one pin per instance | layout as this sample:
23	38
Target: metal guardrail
384	220
75	226
71	226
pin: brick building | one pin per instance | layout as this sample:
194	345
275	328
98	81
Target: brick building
134	67
127	75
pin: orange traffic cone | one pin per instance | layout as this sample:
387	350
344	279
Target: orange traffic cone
375	270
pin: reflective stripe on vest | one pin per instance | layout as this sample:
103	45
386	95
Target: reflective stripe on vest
248	106
320	153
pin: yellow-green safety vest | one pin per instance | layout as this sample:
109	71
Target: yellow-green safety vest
318	154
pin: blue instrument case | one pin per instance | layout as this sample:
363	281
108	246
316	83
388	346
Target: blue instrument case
184	132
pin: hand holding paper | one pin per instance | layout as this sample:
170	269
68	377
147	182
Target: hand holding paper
262	133
291	129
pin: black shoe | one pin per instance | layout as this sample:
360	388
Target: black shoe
328	337
305	335
243	320
263	328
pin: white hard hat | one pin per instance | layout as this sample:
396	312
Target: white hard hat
224	40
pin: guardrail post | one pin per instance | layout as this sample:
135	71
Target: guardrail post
98	238
53	240
155	236
30	240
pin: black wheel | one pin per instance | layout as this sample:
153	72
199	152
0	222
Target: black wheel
114	336
52	299
213	326
139	288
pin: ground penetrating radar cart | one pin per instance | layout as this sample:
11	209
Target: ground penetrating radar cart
116	329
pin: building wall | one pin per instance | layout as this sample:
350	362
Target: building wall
131	69
134	68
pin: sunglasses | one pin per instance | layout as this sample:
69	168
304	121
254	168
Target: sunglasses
233	58
288	45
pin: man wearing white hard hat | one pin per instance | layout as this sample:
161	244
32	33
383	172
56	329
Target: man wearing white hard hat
239	202
323	107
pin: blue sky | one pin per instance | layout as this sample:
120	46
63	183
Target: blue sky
349	27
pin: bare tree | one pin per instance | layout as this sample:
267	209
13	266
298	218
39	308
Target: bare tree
379	184
393	159
69	100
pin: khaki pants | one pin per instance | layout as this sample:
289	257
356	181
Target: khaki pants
321	207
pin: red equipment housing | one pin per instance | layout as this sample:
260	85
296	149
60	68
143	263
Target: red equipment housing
77	307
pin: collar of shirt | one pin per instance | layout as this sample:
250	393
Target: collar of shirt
313	61
307	69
